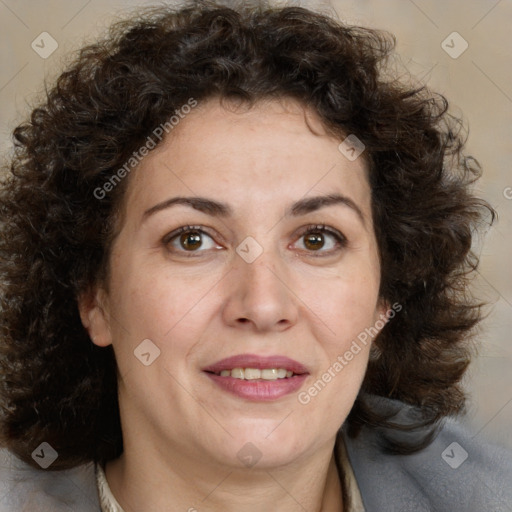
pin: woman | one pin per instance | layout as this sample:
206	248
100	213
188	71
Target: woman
236	264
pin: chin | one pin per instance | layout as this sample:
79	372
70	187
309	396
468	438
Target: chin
265	446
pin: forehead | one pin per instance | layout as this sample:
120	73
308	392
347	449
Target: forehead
266	154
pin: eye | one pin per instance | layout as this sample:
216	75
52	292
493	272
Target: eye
188	240
322	239
191	239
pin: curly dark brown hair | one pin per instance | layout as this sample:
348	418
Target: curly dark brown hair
56	385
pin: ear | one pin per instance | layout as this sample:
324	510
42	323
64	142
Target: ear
383	306
94	313
383	313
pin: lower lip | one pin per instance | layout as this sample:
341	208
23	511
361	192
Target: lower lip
259	390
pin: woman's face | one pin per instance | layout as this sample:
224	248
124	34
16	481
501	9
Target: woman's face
247	281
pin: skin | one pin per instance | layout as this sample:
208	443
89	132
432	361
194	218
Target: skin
182	432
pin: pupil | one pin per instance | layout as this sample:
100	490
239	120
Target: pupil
191	240
314	241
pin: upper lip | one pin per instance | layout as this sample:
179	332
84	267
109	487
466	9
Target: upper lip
258	362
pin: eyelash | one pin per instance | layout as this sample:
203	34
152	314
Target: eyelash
340	239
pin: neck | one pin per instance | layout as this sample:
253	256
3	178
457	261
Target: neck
144	482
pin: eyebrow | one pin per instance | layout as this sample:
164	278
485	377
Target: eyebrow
219	209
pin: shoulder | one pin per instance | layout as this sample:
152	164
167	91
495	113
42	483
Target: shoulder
457	471
25	489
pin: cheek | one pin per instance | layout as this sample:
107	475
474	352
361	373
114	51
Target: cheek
152	304
347	303
348	310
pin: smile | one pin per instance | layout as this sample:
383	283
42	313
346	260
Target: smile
256	373
256	377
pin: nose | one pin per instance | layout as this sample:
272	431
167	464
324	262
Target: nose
259	296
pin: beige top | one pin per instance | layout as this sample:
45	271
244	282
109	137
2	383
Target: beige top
355	503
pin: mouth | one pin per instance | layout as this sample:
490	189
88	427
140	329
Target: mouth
258	378
256	373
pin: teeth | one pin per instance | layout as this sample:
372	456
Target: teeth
252	374
255	373
269	374
237	373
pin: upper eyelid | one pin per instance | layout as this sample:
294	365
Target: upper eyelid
325	228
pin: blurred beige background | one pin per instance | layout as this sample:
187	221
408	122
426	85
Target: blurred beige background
478	82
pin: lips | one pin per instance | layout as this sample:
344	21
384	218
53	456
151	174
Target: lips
257	390
257	362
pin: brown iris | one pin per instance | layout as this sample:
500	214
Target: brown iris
314	241
191	240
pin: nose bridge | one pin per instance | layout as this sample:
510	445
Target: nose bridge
259	291
265	274
264	277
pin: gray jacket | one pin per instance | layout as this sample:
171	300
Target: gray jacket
455	473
